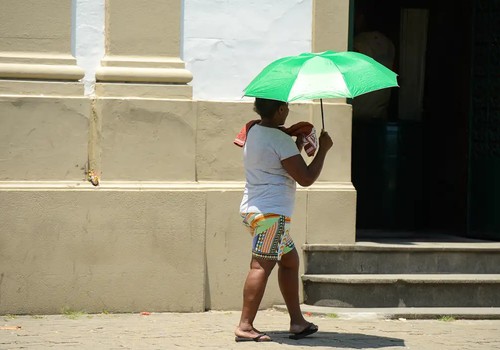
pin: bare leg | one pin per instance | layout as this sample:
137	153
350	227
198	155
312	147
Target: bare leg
253	291
288	278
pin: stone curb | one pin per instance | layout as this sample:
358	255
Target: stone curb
413	313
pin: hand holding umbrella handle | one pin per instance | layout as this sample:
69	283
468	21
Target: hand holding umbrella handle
325	141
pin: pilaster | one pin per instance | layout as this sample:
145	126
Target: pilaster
331	202
35	44
143	46
330	25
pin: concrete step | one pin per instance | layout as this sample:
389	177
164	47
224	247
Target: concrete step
439	313
403	257
402	290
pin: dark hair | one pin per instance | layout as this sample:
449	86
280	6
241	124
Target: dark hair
266	108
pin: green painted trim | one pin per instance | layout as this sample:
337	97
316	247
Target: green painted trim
350	35
350	38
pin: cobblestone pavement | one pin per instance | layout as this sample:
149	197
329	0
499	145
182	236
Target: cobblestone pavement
214	330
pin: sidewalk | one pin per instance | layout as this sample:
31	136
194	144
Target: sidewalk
214	330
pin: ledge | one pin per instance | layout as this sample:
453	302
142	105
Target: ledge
143	75
40	71
118	186
33	88
141	186
142	61
347	313
406	246
149	91
405	278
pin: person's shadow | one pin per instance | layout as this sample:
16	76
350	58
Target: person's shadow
338	340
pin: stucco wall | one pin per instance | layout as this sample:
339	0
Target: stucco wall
88	38
157	240
97	250
43	138
226	43
222	61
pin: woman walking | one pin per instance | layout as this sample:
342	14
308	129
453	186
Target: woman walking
273	166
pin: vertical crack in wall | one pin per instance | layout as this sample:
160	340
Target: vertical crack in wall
1	280
94	155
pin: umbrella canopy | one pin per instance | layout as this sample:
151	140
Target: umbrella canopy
327	74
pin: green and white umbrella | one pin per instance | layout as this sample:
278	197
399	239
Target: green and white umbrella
321	75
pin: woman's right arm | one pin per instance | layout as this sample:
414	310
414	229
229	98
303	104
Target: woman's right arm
302	173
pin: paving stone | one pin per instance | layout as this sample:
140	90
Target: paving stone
214	330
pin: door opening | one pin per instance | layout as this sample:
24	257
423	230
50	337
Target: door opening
409	150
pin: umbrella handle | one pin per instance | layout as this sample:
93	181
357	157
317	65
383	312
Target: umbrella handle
322	116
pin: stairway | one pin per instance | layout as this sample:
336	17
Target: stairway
398	273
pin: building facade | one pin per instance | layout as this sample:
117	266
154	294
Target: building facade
119	181
123	194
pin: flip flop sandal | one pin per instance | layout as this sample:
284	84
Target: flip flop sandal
311	329
256	339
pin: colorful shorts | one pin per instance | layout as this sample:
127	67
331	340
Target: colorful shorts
270	232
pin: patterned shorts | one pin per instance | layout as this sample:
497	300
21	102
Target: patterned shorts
270	232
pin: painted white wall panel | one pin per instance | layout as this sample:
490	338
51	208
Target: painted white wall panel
224	43
88	40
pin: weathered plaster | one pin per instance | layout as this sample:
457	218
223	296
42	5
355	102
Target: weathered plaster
120	251
226	43
43	138
88	26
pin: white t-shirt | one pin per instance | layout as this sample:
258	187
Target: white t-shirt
269	188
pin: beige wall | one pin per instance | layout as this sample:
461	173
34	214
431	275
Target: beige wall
150	236
35	40
143	43
147	140
98	250
161	232
43	138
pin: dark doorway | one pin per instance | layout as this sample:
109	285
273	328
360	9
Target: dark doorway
410	164
484	126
